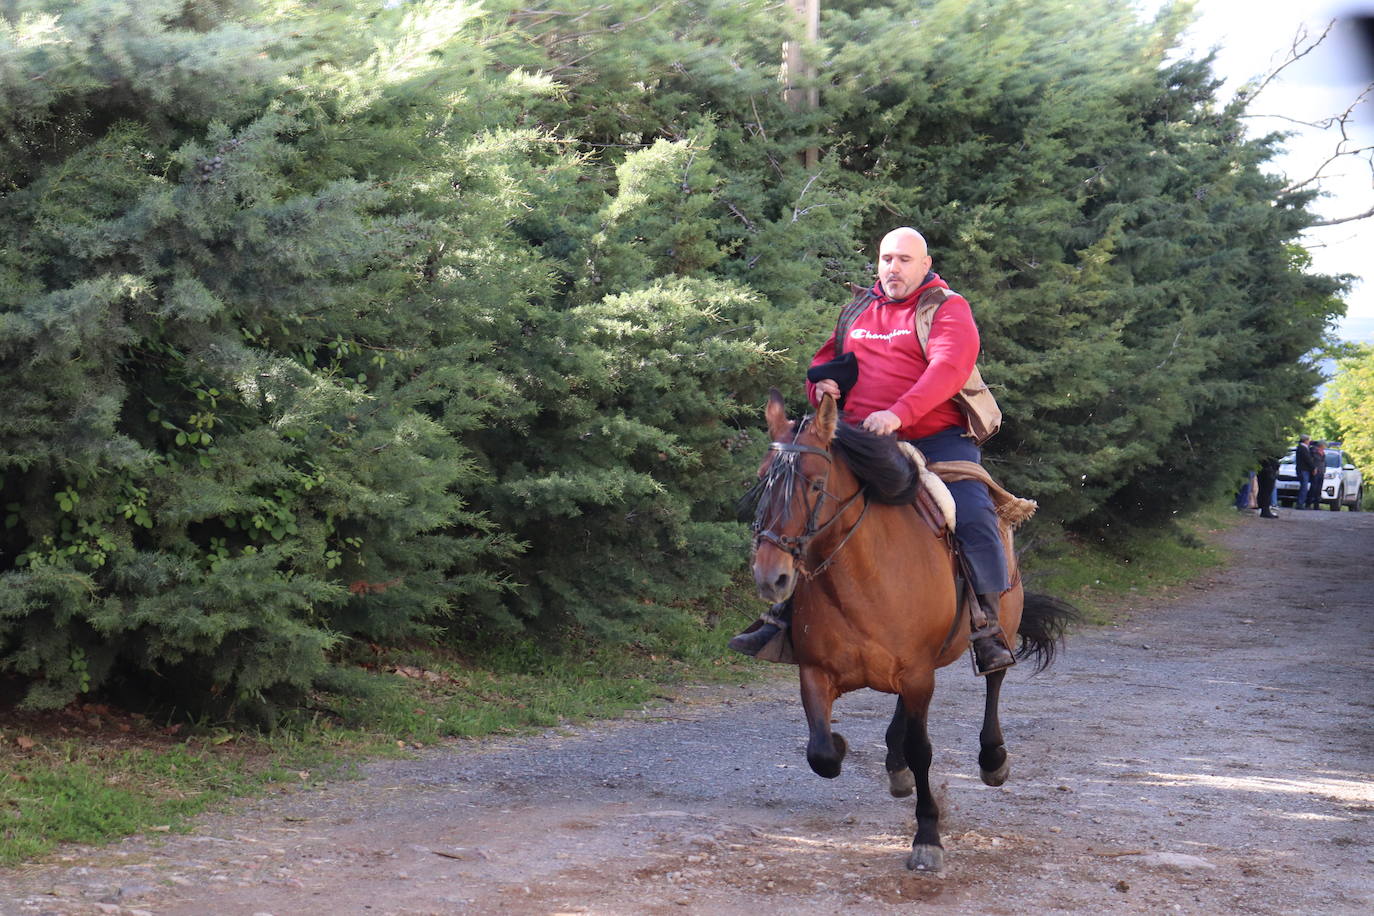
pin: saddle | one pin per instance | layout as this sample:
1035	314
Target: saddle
935	505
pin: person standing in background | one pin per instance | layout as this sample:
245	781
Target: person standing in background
1314	494
1268	474
1302	462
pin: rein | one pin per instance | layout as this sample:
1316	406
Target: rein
784	470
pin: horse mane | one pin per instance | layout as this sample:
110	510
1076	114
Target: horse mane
878	462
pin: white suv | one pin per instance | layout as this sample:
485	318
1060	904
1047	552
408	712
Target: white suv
1341	485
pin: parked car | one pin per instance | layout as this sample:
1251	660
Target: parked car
1341	485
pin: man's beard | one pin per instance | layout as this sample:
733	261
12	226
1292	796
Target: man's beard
891	286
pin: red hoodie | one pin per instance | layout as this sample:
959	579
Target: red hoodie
893	372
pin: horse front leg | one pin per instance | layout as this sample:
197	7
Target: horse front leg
993	765
825	749
900	782
927	853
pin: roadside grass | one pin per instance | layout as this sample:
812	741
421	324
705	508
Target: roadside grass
423	695
1097	576
92	773
79	791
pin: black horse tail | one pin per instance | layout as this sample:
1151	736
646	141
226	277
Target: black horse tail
1044	621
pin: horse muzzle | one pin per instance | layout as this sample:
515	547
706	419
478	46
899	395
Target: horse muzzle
775	573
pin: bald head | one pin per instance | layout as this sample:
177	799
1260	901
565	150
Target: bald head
903	262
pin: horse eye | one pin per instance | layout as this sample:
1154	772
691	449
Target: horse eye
816	484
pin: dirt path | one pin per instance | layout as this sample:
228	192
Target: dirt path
1210	754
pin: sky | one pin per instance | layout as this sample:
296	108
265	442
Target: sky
1251	37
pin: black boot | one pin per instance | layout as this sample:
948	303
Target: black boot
770	624
1266	512
990	652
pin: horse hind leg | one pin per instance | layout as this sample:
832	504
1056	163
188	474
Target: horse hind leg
993	765
825	749
900	781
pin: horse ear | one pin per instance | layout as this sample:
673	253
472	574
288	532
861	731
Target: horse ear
776	415
827	415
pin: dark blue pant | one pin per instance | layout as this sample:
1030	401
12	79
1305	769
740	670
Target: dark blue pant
975	525
1304	484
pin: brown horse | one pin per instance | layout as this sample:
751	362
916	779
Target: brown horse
874	600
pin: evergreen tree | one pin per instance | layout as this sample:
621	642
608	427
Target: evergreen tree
308	372
231	451
1131	267
341	321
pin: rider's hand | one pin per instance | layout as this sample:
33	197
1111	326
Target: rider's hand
827	386
881	422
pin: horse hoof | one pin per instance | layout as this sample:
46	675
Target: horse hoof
926	858
827	765
901	783
826	769
998	776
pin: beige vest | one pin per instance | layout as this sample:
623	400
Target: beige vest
980	408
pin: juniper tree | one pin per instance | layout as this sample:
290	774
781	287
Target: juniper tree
270	337
229	454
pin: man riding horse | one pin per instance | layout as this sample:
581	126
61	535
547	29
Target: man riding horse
889	383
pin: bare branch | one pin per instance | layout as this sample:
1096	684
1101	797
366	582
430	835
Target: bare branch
1320	172
1323	124
1344	219
797	212
1172	347
1343	149
748	223
1342	120
757	120
1296	52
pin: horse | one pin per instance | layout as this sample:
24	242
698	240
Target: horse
874	598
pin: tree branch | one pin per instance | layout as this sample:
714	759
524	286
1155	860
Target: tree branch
796	208
1296	52
1344	219
1345	146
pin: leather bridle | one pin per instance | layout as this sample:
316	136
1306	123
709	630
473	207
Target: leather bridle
781	474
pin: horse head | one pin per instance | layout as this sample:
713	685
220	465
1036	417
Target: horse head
794	492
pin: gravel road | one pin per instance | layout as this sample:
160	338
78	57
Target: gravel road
1210	753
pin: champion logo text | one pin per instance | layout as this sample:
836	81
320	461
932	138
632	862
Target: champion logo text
864	334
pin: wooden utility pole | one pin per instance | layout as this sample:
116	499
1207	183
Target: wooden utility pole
796	70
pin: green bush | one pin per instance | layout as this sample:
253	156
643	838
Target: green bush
339	322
